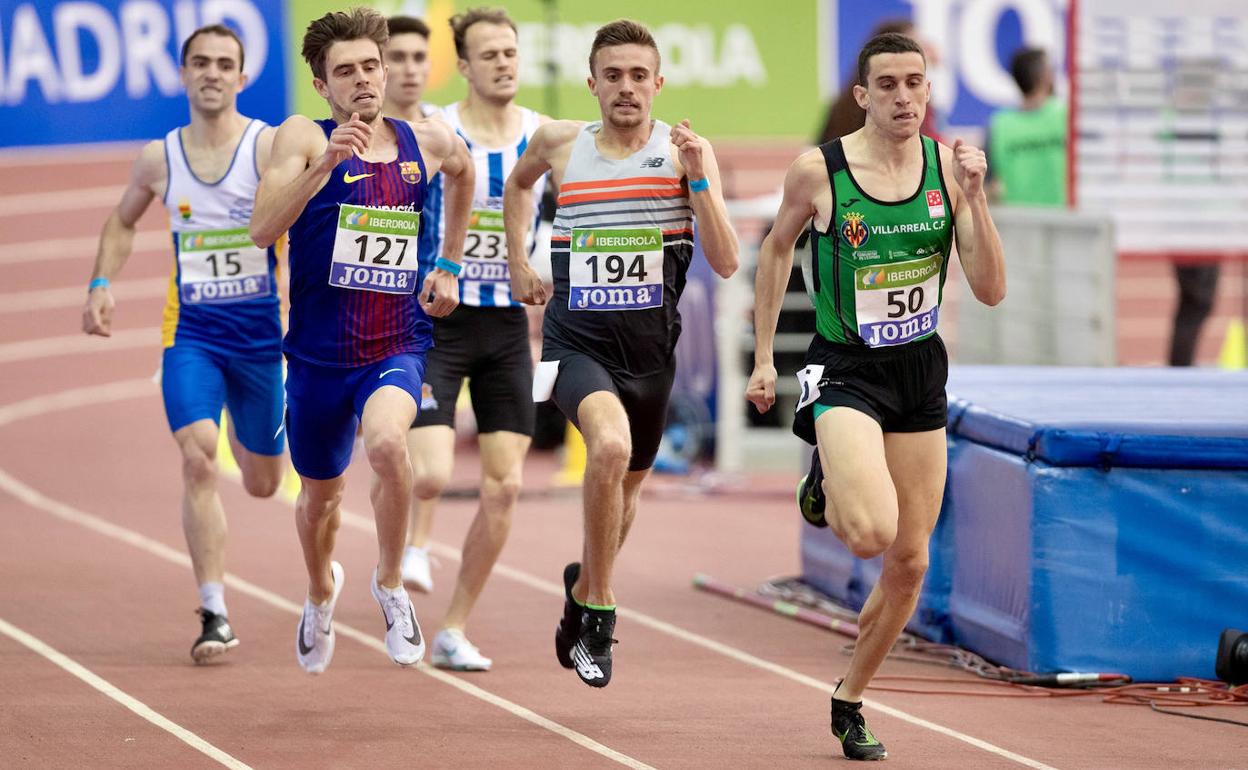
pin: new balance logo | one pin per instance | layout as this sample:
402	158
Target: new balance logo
652	162
585	665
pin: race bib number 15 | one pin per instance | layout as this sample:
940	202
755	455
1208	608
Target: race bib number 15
217	266
375	250
615	269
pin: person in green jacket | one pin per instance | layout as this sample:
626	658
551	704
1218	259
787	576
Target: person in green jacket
1027	145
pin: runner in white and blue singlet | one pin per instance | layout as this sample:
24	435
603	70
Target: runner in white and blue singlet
222	331
485	340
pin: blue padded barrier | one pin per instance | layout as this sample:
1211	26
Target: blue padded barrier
1094	520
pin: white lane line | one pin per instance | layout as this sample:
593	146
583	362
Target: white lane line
83	248
74	344
61	200
81	397
76	296
37	500
107	688
357	521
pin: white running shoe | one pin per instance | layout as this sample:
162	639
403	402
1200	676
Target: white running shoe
403	640
314	645
452	650
415	569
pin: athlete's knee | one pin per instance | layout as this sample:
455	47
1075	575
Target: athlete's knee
867	527
198	468
612	451
904	572
500	492
264	479
428	483
317	505
868	536
387	454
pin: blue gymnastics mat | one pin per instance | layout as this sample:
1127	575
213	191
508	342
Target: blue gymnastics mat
1093	520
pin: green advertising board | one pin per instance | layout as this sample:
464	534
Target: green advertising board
736	70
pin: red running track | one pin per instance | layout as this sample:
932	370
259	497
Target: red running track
96	613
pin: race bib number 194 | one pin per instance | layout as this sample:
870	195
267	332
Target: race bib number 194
375	250
615	269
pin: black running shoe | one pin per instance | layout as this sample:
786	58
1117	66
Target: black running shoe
810	497
592	653
851	730
569	629
217	637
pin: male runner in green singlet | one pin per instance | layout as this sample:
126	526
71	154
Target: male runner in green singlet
887	205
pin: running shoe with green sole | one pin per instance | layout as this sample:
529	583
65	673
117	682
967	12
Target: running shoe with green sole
810	498
850	728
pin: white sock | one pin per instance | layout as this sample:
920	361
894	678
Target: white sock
417	549
212	598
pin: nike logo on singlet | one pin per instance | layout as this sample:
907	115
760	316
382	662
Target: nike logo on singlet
348	177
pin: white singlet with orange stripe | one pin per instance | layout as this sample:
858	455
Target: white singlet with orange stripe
620	248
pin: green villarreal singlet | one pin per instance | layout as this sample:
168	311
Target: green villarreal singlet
879	270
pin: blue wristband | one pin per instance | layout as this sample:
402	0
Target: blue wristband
97	283
699	185
442	263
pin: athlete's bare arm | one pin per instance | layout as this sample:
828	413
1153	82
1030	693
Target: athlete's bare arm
548	150
444	151
148	178
264	148
696	160
299	163
979	245
806	187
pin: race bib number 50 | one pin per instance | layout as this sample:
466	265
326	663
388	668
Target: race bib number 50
615	269
897	302
216	266
375	250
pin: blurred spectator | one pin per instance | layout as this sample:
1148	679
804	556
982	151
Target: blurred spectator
1027	146
844	114
1198	283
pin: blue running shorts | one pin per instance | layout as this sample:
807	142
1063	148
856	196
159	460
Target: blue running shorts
324	405
197	381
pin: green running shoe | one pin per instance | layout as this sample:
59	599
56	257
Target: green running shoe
810	498
851	730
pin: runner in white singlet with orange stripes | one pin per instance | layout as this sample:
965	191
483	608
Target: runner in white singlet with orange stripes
630	190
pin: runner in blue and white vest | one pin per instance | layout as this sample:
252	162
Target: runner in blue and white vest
485	340
222	330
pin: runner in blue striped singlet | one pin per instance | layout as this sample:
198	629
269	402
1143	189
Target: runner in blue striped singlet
485	340
630	189
351	190
222	329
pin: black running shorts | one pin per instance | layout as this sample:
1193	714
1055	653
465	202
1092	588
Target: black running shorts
489	346
902	388
644	398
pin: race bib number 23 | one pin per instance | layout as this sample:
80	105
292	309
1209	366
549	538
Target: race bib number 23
375	250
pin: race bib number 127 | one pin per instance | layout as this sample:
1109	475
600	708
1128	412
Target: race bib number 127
375	250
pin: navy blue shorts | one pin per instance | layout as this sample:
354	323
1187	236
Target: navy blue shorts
324	405
197	382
